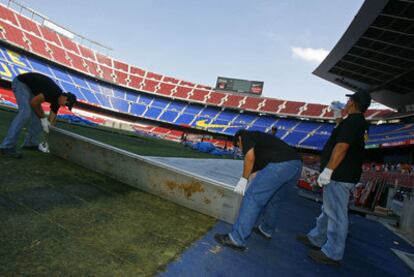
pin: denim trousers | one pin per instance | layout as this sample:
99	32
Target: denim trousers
263	197
332	224
25	114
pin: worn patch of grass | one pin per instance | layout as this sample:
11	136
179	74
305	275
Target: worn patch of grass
58	218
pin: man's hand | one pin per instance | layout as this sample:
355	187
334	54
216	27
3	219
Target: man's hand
45	124
325	177
241	186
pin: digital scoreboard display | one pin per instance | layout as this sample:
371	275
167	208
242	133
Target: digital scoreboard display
241	86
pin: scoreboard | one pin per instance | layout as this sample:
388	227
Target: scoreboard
238	85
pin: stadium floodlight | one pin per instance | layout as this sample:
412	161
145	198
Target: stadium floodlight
58	29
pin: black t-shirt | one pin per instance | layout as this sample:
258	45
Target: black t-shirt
39	83
352	131
267	149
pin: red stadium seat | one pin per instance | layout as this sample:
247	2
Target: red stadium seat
152	75
92	67
104	60
313	110
171	80
137	71
233	100
58	54
199	95
188	84
87	53
120	77
68	44
8	15
28	25
77	61
252	103
215	97
13	34
292	107
150	85
271	105
121	66
182	92
107	73
38	46
49	35
166	89
135	81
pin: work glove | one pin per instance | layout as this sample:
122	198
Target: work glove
44	147
325	177
241	186
45	124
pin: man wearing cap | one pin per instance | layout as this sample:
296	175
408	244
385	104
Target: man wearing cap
277	169
31	90
341	165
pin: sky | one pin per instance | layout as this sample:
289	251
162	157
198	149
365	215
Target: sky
279	42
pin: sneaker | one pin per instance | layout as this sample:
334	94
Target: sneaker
306	241
225	240
320	257
10	153
259	231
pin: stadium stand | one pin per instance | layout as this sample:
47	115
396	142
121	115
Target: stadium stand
157	97
38	39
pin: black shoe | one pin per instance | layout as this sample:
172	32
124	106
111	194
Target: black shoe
10	153
31	147
257	230
320	257
225	240
305	241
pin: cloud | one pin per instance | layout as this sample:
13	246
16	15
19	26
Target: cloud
310	54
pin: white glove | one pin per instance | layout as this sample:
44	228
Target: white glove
241	186
44	147
325	177
45	124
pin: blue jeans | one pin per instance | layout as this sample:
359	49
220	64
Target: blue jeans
332	224
264	195
23	96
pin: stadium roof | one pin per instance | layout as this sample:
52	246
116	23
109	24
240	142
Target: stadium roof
376	53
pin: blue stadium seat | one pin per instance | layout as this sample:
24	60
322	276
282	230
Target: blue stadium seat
62	75
80	81
193	109
152	113
71	88
41	68
138	109
118	93
120	104
90	97
103	99
184	119
168	116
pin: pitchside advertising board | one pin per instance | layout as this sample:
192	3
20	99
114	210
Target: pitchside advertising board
240	86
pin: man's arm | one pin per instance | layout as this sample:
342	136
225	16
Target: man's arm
338	155
36	105
248	163
52	117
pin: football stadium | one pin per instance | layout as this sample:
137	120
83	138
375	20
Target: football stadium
141	174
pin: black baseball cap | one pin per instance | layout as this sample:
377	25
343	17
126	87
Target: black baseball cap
71	99
362	98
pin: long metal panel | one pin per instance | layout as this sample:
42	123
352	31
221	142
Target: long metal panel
193	191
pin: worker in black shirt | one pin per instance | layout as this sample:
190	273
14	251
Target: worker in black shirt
276	166
341	165
31	90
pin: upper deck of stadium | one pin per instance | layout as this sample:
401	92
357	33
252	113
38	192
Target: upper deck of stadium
33	35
